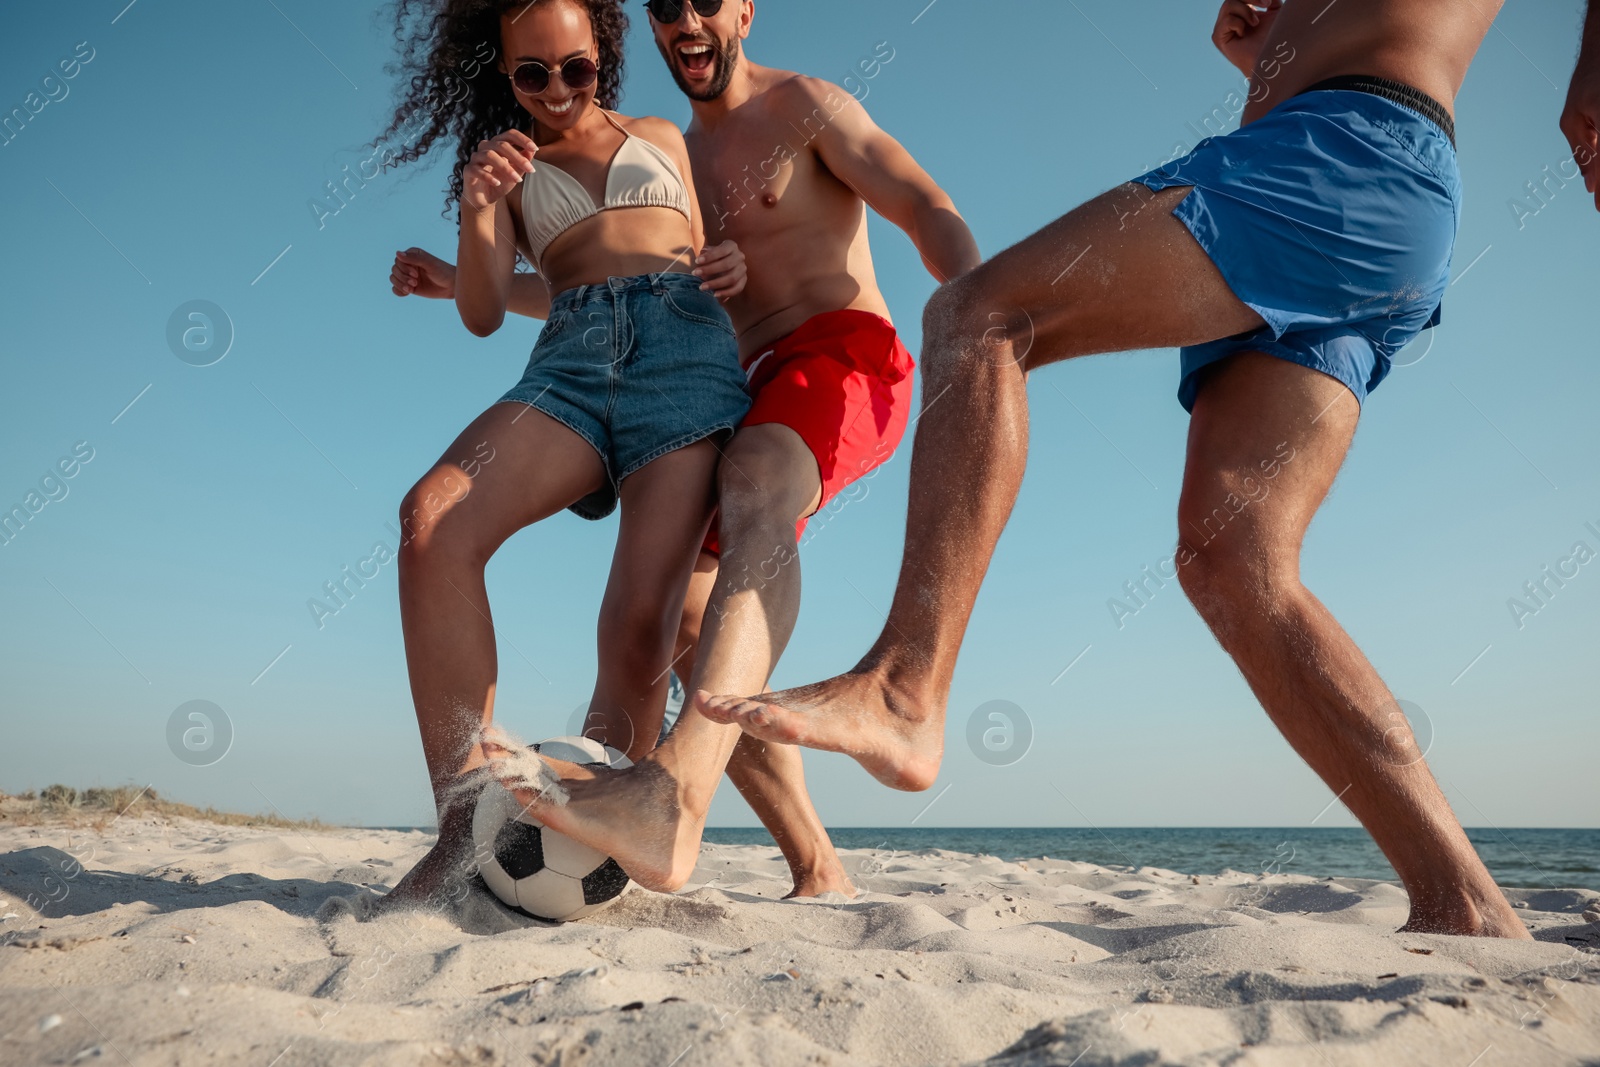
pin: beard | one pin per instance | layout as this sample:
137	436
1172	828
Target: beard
725	59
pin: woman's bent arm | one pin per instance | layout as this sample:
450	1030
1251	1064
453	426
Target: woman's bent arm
484	261
488	246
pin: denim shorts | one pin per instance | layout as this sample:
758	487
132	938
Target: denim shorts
638	367
1334	218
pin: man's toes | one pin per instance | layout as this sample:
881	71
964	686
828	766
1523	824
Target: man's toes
725	709
770	722
717	713
716	708
747	710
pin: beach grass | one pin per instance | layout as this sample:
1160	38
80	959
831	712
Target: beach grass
98	806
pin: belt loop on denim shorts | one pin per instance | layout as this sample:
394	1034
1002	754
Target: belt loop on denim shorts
575	296
657	282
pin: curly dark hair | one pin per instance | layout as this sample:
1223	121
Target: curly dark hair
451	86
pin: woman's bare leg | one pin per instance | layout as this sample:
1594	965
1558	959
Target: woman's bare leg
512	467
666	507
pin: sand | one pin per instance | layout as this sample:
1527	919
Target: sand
177	941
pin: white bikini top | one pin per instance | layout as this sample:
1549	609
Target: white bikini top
641	175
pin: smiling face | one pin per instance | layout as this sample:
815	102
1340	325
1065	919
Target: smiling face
702	53
551	33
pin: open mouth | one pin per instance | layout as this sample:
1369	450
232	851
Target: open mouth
696	57
561	108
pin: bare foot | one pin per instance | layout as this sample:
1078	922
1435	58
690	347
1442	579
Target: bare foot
1467	916
635	816
823	880
896	738
816	869
440	879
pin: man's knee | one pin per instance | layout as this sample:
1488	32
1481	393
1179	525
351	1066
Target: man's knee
951	305
765	479
1229	560
1236	580
969	325
955	311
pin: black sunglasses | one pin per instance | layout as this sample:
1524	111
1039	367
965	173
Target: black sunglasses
533	77
667	12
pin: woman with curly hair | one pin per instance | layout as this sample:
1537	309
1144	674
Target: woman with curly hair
633	379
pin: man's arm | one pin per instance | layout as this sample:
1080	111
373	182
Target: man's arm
1580	121
420	273
884	175
529	296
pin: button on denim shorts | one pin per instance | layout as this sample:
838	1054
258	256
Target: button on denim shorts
638	367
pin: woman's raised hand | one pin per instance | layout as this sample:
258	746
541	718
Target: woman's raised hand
496	168
721	270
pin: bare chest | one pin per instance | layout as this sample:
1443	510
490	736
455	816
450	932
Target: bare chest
755	180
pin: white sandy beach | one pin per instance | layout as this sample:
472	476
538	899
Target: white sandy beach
183	942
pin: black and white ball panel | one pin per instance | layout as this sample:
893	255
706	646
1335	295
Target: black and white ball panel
532	868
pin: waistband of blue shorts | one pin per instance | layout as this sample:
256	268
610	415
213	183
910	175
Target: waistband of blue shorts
1407	96
658	283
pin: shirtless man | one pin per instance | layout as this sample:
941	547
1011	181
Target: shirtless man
787	166
1270	255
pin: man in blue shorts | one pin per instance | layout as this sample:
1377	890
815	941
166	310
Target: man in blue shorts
1290	260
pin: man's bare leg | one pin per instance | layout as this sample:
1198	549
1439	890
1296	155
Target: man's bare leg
1240	533
650	817
768	777
1117	273
888	712
771	778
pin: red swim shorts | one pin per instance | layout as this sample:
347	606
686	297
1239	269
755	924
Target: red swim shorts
842	381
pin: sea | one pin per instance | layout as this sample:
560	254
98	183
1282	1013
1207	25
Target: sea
1536	859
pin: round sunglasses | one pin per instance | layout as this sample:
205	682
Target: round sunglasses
667	12
534	77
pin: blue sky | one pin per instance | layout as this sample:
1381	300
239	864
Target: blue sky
180	162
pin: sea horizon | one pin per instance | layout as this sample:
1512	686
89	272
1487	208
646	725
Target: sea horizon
1524	857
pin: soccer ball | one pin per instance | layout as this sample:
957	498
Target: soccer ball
534	869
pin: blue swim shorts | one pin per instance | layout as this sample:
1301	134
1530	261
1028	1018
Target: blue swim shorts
1333	216
638	367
